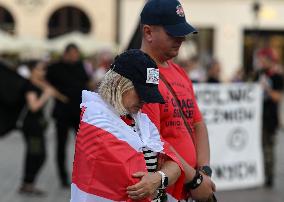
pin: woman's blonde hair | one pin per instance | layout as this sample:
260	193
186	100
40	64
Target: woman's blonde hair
112	88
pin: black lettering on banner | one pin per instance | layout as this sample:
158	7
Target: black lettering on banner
209	97
240	171
217	96
212	116
241	95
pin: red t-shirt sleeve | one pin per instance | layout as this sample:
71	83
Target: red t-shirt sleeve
153	112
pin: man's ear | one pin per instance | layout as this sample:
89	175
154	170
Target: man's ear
147	33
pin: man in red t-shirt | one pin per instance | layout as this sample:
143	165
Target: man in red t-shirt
164	28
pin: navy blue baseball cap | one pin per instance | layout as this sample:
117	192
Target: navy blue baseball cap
143	71
169	14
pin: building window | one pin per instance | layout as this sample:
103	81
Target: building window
204	42
7	22
200	45
257	39
68	19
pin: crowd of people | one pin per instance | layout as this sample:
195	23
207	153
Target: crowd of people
41	81
120	120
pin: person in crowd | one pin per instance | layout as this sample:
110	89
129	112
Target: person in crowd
119	155
239	75
271	81
69	77
104	60
12	99
193	69
37	93
179	120
213	71
97	65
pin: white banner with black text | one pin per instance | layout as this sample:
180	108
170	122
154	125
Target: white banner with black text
233	114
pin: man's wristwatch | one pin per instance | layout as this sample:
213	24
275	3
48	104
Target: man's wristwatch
206	170
195	182
164	180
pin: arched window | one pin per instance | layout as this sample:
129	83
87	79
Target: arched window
7	22
68	19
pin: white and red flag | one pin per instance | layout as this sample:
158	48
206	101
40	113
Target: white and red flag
108	152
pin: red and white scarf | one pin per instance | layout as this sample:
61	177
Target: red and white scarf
108	152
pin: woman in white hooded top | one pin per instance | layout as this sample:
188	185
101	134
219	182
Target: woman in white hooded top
119	155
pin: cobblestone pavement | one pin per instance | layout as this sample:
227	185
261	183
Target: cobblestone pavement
11	155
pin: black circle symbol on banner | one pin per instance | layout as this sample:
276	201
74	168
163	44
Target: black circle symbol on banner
238	139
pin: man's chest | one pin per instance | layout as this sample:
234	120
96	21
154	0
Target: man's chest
185	99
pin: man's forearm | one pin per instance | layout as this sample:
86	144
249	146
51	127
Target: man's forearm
202	144
188	170
172	170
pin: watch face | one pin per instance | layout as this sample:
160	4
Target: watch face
207	170
198	181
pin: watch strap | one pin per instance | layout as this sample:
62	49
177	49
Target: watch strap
206	170
195	182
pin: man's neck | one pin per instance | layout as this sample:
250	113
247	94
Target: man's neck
160	62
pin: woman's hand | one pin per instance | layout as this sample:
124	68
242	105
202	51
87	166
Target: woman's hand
147	187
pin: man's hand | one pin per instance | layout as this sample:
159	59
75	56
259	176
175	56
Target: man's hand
205	189
147	187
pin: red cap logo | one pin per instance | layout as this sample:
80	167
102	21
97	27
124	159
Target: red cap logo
180	11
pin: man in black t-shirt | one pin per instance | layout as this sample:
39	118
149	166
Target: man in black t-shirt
69	77
272	82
